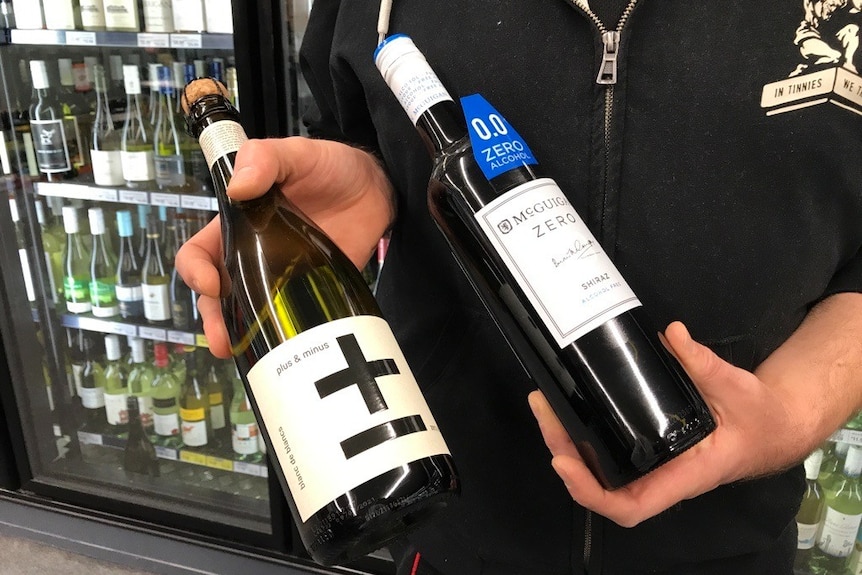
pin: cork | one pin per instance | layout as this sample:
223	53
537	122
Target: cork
199	88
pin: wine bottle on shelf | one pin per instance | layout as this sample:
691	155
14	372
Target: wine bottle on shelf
92	15
189	16
619	393
170	167
156	281
140	380
47	127
129	291
184	309
103	266
169	237
151	86
76	114
196	163
76	265
244	431
7	14
810	511
23	257
842	517
166	399
89	377
144	212
105	151
136	148
53	248
116	411
62	14
305	300
139	455
218	408
195	419
217	71
158	16
28	14
117	90
233	86
122	16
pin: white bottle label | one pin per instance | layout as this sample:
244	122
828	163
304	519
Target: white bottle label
331	398
51	279
59	14
244	438
572	284
217	417
145	407
93	397
134	293
115	408
28	277
121	14
92	14
28	14
157	302
189	16
107	167
158	16
166	425
806	534
138	166
219	16
220	139
194	433
839	533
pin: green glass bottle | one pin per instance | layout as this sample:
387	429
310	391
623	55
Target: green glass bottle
130	295
140	381
116	412
136	145
810	511
218	409
843	515
170	167
166	399
156	281
194	406
76	265
52	245
103	269
244	430
139	456
89	375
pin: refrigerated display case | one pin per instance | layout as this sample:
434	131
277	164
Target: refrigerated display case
68	443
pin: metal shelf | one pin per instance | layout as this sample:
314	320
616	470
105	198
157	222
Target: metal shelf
124	196
201	41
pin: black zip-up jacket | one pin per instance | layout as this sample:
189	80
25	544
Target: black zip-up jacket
721	170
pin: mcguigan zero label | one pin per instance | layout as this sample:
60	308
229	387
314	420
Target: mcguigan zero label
341	407
497	147
571	282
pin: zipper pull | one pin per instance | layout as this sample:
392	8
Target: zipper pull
608	69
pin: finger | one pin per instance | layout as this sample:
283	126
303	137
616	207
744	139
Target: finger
708	371
555	435
258	165
214	326
198	259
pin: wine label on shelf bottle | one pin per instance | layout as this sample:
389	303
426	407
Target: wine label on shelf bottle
341	407
131	300
92	14
49	139
244	438
194	433
103	299
170	172
115	408
838	532
93	397
806	535
217	417
166	424
157	302
138	166
77	295
107	167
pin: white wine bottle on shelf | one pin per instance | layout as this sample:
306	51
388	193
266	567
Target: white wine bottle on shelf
158	16
76	265
136	147
122	16
156	281
28	14
621	396
105	141
62	14
93	15
103	266
353	424
842	518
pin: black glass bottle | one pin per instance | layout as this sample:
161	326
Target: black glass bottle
625	401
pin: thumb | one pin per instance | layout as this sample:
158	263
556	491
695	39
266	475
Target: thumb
704	367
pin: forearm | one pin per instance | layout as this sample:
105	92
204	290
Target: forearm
819	370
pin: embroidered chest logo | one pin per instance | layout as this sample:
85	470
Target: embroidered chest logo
828	42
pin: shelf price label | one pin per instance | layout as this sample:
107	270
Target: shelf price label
254	469
182	337
77	38
186	41
153	40
193	457
133	197
851	436
219	463
103	195
197	203
165	452
201	340
86	438
155	333
169	200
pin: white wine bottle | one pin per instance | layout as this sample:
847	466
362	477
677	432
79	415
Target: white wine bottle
352	426
76	265
842	517
105	151
122	16
810	511
62	14
167	143
136	148
156	281
564	308
28	14
103	265
93	15
158	16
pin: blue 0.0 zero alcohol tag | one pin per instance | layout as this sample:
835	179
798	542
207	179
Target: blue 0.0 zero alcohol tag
497	147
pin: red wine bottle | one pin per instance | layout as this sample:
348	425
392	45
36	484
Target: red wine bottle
354	444
564	308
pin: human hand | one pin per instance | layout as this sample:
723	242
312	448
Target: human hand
757	433
344	190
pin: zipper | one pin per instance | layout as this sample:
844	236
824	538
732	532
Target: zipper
607	77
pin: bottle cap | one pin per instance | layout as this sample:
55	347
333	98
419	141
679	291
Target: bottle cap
66	76
853	463
112	347
160	351
116	64
13	210
153	76
138	348
166	82
99	79
131	79
97	221
70	220
813	463
39	73
143	215
179	73
40	211
163	213
124	224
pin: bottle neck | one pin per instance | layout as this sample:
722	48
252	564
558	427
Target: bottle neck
441	126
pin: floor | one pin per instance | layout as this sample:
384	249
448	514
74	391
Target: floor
26	557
